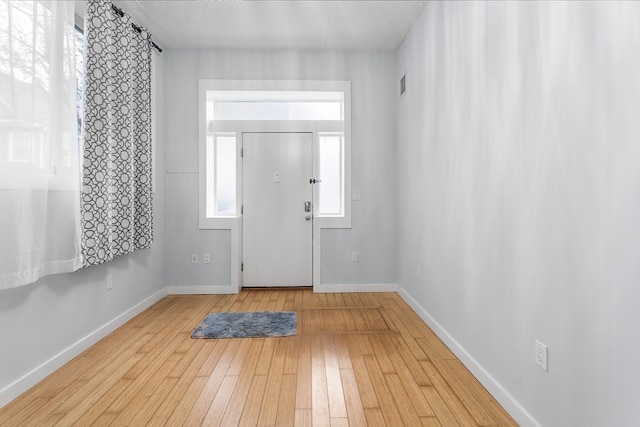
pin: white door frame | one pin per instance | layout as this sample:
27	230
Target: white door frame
234	225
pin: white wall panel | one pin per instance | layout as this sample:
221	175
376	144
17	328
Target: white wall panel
519	196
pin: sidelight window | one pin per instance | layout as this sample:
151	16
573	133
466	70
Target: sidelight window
221	175
331	173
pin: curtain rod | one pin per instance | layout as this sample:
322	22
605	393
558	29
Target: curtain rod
135	27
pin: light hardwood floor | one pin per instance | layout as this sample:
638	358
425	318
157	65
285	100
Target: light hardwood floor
362	359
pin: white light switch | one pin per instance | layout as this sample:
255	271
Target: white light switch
276	177
356	195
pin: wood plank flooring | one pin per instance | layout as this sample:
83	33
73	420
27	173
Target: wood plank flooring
358	359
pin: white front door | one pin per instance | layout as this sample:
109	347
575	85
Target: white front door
277	230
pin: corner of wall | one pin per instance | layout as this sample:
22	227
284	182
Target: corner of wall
24	383
511	405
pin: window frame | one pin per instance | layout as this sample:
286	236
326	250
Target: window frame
208	126
48	167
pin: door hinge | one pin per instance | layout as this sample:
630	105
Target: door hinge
242	266
241	209
242	152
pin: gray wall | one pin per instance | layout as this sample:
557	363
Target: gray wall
41	320
517	168
519	196
373	153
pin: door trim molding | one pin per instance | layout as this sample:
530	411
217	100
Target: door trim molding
235	224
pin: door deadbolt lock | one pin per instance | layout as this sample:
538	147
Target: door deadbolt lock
307	206
307	217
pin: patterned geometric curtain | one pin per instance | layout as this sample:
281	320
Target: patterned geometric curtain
116	204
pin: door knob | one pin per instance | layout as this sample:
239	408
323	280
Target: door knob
307	206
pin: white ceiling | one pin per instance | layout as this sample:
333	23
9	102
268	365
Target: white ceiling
268	24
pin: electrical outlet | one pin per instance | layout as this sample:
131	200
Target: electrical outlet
541	355
355	257
109	282
356	195
207	259
194	258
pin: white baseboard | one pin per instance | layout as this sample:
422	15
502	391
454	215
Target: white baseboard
519	414
373	287
207	290
24	383
202	290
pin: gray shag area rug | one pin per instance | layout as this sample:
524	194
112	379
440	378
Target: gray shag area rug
247	325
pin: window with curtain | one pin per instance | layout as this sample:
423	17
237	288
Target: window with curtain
68	202
39	152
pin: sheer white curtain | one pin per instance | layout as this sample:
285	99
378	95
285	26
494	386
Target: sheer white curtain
39	167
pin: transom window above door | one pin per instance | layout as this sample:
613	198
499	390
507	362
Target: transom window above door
275	105
231	108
